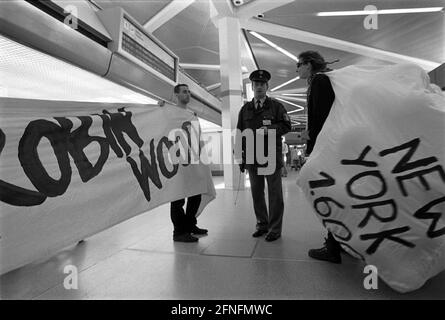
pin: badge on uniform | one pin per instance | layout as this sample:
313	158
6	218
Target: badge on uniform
267	122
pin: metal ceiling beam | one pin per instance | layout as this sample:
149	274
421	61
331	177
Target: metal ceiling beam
199	66
168	12
217	85
213	86
249	59
257	7
224	8
324	41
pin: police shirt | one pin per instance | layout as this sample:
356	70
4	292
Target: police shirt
272	115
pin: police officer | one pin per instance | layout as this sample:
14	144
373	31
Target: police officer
264	116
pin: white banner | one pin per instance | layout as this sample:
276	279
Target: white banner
376	176
71	169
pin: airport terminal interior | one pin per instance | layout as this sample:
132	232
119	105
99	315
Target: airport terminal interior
112	54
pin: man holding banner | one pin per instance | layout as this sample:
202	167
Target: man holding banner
114	162
184	222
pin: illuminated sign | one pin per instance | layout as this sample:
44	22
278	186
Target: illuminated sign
146	50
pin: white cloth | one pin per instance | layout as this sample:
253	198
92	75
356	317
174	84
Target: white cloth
102	168
378	167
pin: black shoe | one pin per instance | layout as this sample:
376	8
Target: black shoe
199	231
259	233
272	236
330	252
185	237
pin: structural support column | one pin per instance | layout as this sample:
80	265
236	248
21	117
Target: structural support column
231	94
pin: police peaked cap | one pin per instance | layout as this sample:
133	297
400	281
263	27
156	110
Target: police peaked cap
260	75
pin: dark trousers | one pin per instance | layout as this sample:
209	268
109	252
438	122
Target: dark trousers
332	241
273	220
183	222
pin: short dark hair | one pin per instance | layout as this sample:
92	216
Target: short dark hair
179	85
315	59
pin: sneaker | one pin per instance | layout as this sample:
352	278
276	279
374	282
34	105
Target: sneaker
330	252
199	231
185	237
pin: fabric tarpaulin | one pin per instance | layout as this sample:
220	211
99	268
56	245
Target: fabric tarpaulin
376	176
71	169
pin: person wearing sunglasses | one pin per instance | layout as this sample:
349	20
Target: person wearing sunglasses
320	97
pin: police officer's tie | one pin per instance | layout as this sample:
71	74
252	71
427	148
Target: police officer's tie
258	105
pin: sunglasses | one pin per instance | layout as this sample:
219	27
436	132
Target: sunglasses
299	64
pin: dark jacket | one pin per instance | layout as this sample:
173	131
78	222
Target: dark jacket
320	98
274	116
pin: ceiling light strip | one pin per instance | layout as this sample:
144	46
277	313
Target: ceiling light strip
300	108
291	98
285	84
209	67
294	94
384	11
273	45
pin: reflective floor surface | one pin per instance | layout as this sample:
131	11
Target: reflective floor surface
137	259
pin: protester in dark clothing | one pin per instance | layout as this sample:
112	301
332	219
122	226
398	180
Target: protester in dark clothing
320	97
184	223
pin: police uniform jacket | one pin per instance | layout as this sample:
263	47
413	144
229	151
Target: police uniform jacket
273	115
320	98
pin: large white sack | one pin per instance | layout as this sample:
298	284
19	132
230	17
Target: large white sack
391	121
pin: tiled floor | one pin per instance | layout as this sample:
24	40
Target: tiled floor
137	259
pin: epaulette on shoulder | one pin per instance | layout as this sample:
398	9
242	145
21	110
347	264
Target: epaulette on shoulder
246	104
273	100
